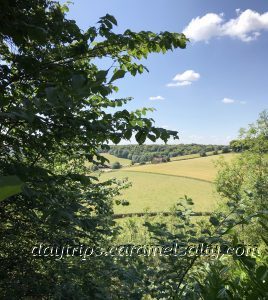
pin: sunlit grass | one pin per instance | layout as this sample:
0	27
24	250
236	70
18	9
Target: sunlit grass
202	168
157	193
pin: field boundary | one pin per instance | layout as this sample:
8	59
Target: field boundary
164	174
153	214
181	159
198	156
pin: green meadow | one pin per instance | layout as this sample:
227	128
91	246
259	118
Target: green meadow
202	168
158	187
112	159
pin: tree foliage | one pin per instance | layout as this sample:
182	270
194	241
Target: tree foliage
56	111
145	153
241	221
116	165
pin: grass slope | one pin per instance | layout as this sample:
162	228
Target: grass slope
190	156
183	157
158	193
113	159
202	168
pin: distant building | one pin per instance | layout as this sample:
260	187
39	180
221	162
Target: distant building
104	166
158	160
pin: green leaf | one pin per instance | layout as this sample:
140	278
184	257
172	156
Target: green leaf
164	136
25	115
9	186
84	179
250	262
116	139
140	137
262	274
214	221
111	18
139	123
91	33
152	137
128	134
78	81
101	75
118	74
51	93
37	33
206	231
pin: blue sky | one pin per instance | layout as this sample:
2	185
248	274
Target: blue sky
221	83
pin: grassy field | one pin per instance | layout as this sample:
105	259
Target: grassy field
157	187
202	168
113	159
189	156
183	157
158	193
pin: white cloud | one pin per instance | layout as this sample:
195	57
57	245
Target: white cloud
247	26
204	28
228	100
188	75
183	83
185	78
156	98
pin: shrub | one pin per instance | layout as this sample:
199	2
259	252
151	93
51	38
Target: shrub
116	165
202	153
225	149
94	168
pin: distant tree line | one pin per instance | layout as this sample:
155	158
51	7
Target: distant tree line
146	153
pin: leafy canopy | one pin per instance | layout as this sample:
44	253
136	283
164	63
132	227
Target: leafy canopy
56	111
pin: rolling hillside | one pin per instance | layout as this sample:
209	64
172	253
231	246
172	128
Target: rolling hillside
202	168
158	193
157	187
113	159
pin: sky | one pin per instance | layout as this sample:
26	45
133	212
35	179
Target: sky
215	86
